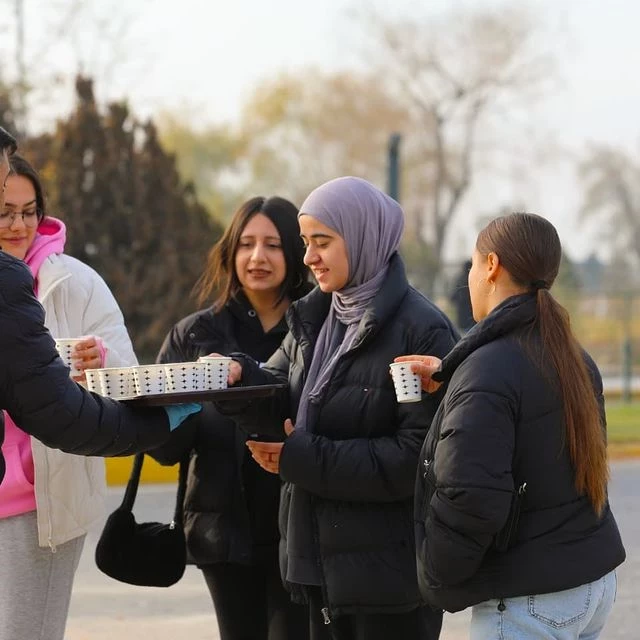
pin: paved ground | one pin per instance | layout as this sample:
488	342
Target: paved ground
103	609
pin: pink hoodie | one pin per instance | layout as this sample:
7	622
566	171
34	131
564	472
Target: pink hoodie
17	489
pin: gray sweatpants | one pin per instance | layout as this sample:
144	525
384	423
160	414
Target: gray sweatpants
35	583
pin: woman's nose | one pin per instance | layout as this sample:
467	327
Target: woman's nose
18	220
310	256
258	252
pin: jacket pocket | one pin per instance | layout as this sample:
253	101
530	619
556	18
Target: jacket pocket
506	537
428	483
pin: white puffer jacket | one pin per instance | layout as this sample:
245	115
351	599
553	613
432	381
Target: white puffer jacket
70	490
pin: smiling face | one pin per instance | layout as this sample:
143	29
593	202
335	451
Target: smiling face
326	254
19	197
259	260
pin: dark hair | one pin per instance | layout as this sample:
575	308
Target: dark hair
529	248
7	142
220	278
18	166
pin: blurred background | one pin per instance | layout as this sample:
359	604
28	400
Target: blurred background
152	120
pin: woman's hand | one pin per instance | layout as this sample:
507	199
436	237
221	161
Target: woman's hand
425	367
267	454
235	369
87	355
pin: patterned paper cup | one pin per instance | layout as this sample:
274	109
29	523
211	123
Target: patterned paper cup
66	347
216	371
149	379
93	381
407	383
117	382
182	377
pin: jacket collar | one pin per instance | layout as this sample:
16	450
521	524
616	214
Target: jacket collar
208	323
52	272
306	316
512	315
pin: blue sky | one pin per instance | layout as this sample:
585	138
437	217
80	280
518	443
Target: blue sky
206	56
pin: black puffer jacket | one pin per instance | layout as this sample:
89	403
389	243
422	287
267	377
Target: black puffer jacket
357	460
36	390
501	425
231	504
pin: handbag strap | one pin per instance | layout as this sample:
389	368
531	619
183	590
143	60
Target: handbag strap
182	489
134	480
132	486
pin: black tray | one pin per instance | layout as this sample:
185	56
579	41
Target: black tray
232	393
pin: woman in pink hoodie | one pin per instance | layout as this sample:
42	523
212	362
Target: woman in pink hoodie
49	499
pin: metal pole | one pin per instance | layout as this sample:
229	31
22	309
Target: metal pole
627	362
393	166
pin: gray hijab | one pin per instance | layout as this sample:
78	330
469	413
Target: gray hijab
371	224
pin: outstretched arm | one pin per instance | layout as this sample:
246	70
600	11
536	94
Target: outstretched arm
36	390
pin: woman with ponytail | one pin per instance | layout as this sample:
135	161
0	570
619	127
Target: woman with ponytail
511	507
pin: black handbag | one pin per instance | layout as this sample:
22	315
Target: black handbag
150	554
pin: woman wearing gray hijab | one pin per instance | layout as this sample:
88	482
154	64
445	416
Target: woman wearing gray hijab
348	463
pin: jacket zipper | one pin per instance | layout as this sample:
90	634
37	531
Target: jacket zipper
52	546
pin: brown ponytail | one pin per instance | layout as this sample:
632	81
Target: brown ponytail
584	432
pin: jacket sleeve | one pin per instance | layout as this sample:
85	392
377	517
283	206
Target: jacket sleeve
473	483
264	416
102	317
379	469
182	440
40	396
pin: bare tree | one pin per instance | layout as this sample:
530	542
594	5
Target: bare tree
301	129
458	73
612	181
95	35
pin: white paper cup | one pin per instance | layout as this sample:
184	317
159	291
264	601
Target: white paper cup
148	379
93	381
117	382
66	347
182	377
407	383
216	371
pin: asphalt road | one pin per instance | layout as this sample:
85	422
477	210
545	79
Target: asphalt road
103	609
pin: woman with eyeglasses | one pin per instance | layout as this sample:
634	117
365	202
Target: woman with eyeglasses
49	499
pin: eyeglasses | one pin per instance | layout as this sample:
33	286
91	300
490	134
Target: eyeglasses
30	218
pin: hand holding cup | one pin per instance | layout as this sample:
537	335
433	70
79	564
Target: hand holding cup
86	355
425	367
235	369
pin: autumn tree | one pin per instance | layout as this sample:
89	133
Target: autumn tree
611	177
207	156
457	74
128	214
303	128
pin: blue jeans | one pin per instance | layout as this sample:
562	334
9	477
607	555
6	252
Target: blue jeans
574	614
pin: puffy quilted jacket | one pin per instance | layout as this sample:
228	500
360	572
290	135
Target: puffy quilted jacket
356	461
36	390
